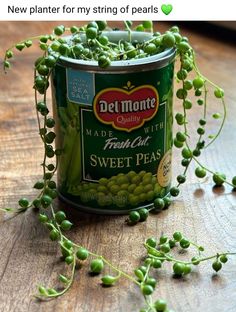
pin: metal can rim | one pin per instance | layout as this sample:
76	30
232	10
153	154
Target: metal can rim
138	65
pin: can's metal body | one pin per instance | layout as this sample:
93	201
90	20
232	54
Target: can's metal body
114	127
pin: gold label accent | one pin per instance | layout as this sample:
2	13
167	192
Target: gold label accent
164	170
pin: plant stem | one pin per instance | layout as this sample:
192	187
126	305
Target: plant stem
63	237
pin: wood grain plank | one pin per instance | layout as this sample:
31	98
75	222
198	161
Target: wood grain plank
205	214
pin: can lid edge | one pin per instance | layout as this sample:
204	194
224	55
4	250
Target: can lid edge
157	61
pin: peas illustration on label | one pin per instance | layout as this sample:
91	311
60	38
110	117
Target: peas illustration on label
123	190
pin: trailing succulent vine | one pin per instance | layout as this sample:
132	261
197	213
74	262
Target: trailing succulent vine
89	43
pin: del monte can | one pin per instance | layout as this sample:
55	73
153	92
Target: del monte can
114	127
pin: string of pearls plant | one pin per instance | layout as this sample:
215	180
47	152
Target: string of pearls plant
158	251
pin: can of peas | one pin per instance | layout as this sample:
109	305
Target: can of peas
114	128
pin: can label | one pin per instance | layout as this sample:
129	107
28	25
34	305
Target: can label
115	131
126	108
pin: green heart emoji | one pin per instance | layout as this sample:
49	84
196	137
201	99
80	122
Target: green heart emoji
166	8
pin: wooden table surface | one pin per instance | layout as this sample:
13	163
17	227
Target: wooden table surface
204	214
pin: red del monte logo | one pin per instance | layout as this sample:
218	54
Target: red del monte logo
126	109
